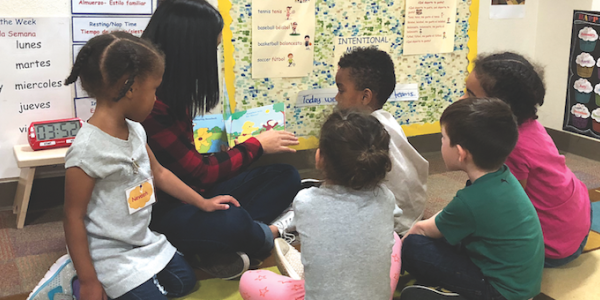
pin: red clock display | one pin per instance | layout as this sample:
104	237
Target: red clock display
53	134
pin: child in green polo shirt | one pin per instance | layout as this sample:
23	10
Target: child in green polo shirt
487	243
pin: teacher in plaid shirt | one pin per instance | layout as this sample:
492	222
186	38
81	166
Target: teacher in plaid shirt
219	242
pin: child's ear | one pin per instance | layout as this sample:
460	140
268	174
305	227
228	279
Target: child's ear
367	97
318	160
130	92
463	154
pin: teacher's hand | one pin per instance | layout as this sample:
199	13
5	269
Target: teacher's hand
274	141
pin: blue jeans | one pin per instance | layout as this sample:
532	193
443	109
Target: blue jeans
177	279
263	194
435	262
557	262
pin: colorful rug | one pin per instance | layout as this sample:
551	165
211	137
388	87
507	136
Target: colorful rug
593	242
596	216
210	289
213	289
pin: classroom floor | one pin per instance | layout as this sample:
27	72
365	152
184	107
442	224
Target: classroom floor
26	254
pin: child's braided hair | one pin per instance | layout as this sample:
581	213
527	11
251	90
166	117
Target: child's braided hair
511	78
354	147
106	58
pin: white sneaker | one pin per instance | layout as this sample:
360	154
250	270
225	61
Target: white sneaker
58	283
419	292
309	182
288	260
285	225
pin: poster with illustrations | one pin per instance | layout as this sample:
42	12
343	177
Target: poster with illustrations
283	34
582	109
430	26
507	9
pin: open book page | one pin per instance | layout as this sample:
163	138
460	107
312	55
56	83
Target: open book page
209	133
212	131
246	124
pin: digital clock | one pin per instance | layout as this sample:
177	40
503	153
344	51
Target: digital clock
53	133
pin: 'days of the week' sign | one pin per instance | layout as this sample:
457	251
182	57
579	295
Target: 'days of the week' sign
403	92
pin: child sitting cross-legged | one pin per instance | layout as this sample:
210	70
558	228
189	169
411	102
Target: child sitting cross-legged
487	242
109	185
346	226
365	80
561	200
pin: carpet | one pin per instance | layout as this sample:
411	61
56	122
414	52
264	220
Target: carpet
213	289
576	280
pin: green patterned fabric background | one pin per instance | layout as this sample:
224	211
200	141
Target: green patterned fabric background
440	77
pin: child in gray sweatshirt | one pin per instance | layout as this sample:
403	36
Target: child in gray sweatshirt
346	226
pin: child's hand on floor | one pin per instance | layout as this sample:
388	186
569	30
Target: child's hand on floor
217	203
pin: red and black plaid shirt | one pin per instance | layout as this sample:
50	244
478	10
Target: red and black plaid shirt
172	142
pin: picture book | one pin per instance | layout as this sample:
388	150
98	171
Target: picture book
213	131
209	133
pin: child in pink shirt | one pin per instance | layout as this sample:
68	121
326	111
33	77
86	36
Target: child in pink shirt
560	199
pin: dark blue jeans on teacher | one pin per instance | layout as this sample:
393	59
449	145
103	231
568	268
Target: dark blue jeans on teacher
435	262
177	279
263	194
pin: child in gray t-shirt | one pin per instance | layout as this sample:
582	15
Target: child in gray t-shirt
110	178
346	226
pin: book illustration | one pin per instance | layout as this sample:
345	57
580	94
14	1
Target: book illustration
209	133
247	130
251	122
212	131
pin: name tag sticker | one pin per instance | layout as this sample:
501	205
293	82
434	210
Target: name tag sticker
140	196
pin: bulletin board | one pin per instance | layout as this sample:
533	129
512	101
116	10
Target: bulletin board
440	77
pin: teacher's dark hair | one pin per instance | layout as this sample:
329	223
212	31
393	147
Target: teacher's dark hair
187	32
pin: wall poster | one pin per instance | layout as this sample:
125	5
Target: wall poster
35	61
430	26
582	109
283	32
507	9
